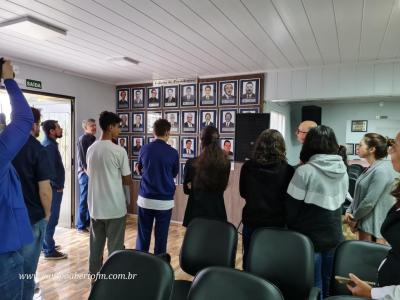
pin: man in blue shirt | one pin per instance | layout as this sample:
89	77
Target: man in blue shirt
84	142
158	165
53	132
15	229
32	166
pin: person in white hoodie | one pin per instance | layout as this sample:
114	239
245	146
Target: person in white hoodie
314	198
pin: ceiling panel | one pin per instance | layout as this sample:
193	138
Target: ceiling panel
390	46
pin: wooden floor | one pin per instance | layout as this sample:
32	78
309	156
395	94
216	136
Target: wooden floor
55	276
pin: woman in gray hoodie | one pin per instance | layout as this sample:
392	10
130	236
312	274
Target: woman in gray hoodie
314	198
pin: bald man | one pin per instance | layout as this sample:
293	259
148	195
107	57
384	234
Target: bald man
303	129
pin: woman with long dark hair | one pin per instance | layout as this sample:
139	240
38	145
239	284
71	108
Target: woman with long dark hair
314	199
206	178
372	199
263	183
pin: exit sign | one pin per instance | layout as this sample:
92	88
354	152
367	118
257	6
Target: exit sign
33	84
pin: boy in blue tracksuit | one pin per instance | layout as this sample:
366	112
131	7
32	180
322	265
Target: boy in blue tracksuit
15	227
158	165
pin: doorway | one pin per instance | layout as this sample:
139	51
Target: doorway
60	108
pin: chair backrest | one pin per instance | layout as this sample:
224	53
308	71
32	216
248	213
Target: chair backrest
230	284
208	243
354	172
154	279
357	257
285	258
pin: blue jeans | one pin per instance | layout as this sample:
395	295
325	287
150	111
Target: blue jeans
145	225
11	266
83	213
49	244
247	232
31	254
323	265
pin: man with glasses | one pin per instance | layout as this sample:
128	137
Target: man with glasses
303	129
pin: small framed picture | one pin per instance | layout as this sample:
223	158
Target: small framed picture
123	142
137	97
188	93
135	170
136	144
123	99
182	172
171	96
124	122
173	141
227	120
250	91
227	145
154	97
189	121
208	117
228	93
188	147
152	116
208	93
359	126
254	110
356	148
173	117
138	121
350	149
150	139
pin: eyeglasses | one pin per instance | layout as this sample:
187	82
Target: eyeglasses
299	131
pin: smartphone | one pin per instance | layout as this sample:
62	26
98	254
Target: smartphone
347	280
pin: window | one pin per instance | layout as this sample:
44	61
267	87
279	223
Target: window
278	122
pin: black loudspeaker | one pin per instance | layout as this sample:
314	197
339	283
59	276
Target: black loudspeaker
248	128
311	113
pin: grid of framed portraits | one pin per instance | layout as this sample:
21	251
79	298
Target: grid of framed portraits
189	108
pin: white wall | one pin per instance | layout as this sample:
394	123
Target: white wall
91	97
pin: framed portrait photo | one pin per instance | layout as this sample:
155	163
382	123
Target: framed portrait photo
182	172
249	91
135	170
359	126
154	97
137	143
227	120
138	97
188	147
171	96
227	145
208	117
228	93
123	142
350	149
173	141
208	93
249	110
138	121
124	121
123	99
188	95
152	116
150	139
173	117
189	121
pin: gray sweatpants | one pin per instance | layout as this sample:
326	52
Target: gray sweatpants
111	229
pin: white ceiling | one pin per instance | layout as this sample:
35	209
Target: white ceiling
186	38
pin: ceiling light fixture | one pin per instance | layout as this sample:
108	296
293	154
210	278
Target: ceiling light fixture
33	27
123	61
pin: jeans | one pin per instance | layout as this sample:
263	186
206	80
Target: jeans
11	265
247	232
323	265
49	243
145	225
83	213
31	254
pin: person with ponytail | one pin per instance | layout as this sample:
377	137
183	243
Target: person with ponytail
206	178
372	199
388	281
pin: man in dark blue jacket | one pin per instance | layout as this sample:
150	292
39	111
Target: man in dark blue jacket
158	165
53	132
15	229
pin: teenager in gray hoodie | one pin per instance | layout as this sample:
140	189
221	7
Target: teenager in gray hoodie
314	198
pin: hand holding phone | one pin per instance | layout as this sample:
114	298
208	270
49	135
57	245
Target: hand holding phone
347	280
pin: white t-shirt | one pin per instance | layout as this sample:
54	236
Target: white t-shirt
106	164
